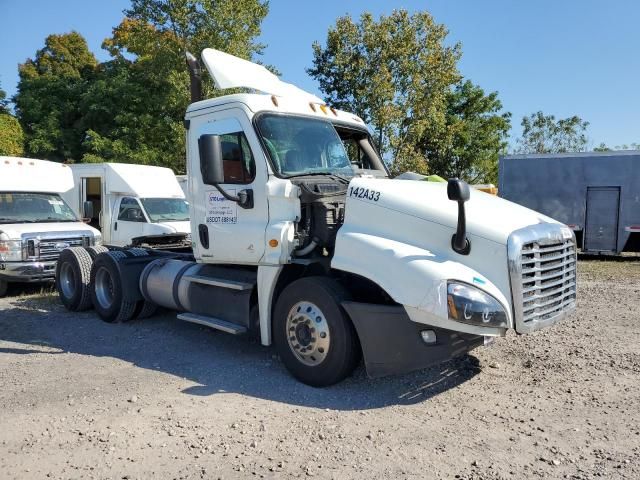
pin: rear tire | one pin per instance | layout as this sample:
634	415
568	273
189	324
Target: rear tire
4	286
95	251
106	294
314	336
144	308
73	279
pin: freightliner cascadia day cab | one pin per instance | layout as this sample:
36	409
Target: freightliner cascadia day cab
35	222
132	204
299	235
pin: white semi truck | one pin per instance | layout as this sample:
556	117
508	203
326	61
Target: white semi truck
131	204
35	222
299	235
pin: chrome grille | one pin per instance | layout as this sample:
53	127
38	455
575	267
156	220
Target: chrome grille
50	248
542	264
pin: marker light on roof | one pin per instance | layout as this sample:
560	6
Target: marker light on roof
313	107
274	100
324	109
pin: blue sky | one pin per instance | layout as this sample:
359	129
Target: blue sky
562	57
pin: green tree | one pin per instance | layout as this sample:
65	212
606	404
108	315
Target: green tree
49	91
11	135
475	134
544	134
399	75
604	148
134	109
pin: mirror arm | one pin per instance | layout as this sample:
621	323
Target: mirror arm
244	197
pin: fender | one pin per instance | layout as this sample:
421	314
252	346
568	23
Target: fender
414	277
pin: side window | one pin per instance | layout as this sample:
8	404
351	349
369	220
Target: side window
239	165
130	211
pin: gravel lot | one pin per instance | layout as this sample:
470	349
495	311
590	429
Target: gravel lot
165	399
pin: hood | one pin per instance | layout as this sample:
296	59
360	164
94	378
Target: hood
159	228
15	231
487	216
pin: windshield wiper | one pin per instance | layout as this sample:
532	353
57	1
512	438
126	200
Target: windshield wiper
327	174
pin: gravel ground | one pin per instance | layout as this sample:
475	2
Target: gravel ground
165	399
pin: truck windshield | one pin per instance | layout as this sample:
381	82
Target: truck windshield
26	207
304	146
166	209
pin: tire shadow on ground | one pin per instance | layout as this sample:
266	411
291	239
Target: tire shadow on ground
214	361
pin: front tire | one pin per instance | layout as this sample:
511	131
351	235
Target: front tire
313	334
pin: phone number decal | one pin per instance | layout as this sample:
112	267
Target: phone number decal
222	220
365	193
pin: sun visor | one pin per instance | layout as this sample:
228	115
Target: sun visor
228	71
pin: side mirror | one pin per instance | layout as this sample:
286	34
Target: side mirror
87	209
211	165
212	169
458	191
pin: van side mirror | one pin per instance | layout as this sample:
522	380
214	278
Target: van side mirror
87	210
212	169
211	165
458	191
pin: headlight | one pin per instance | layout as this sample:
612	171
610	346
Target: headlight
471	305
97	239
11	250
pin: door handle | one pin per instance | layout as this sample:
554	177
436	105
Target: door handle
115	226
203	234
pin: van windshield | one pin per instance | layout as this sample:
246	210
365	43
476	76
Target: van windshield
304	146
166	209
26	207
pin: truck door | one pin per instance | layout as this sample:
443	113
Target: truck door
129	223
223	231
601	229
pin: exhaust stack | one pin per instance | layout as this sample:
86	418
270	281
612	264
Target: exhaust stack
195	76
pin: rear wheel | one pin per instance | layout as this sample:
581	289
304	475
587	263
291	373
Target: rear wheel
73	279
97	250
313	335
107	294
144	308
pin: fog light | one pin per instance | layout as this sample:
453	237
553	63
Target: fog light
429	337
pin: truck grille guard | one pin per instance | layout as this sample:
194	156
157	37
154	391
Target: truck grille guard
542	271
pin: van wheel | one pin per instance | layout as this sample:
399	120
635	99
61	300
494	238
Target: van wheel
4	286
107	293
313	334
73	279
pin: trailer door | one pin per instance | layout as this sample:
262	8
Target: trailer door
601	229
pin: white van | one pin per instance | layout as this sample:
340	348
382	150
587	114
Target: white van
36	224
132	204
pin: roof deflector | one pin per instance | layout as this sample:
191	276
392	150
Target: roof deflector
228	71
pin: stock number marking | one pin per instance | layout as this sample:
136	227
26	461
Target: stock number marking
359	192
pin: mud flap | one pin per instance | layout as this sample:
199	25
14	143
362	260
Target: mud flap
392	344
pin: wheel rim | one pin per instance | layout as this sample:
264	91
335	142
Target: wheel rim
68	281
308	333
104	288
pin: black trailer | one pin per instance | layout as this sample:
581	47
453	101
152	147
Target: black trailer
597	194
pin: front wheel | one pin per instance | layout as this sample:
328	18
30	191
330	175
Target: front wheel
313	335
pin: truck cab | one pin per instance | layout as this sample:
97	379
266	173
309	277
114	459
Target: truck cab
36	224
132	204
300	235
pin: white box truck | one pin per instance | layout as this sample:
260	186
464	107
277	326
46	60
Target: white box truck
300	236
132	205
35	222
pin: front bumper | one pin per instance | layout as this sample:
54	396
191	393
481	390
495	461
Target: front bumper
392	343
27	271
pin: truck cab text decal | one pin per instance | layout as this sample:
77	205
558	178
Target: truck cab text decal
360	192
